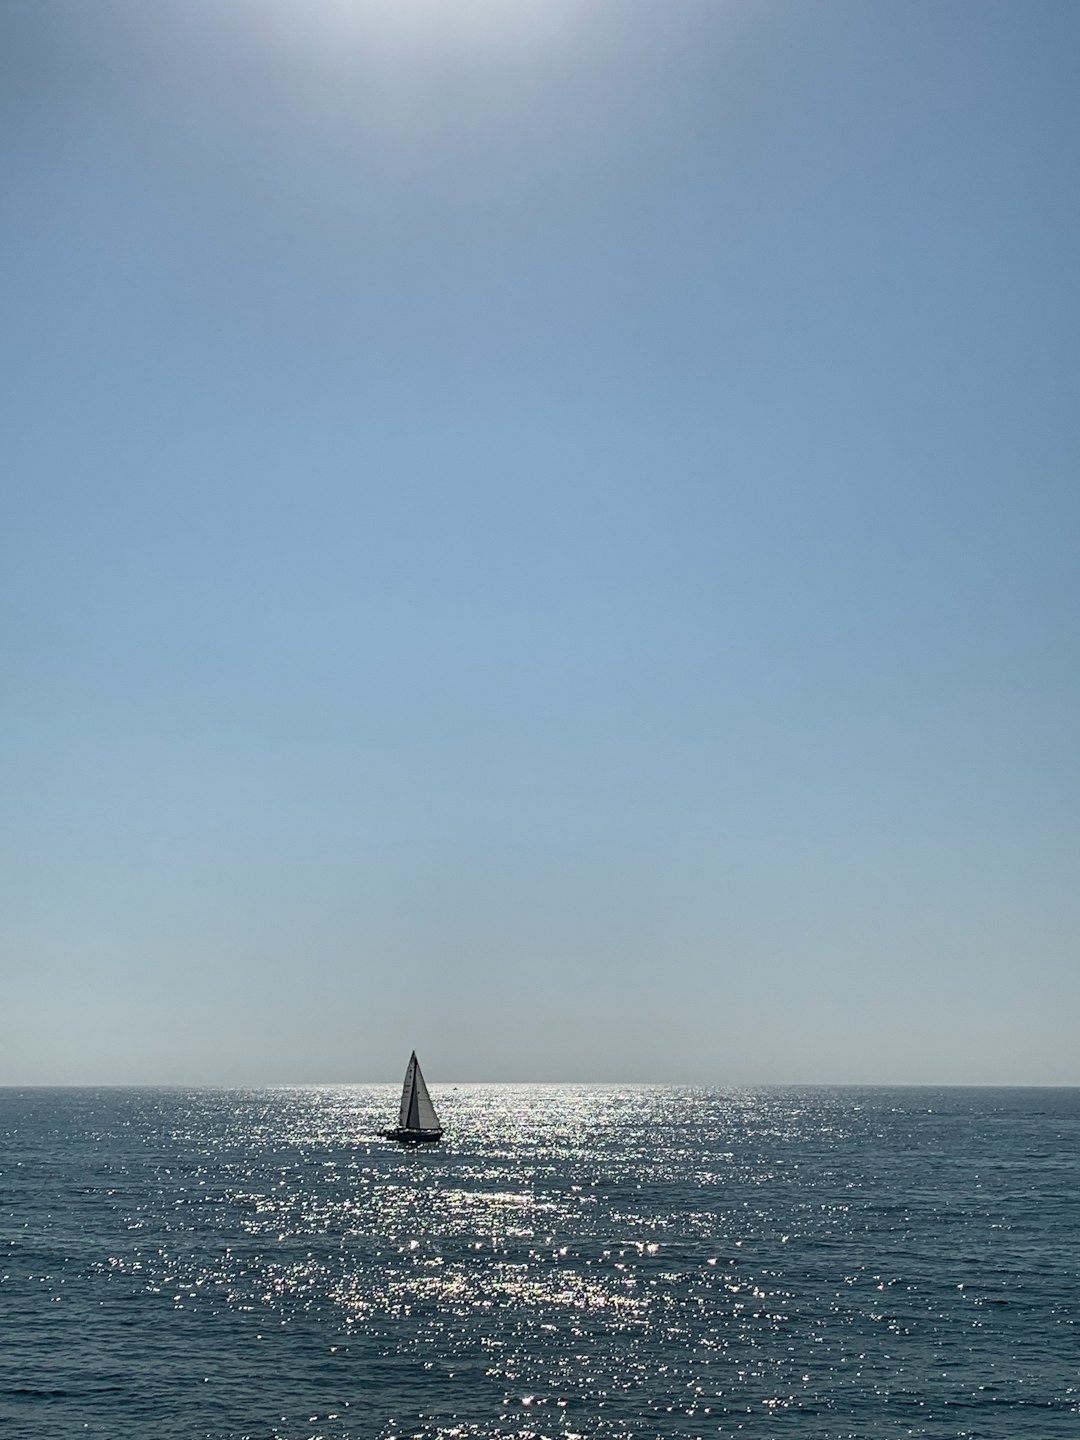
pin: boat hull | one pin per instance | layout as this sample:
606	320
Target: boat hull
412	1137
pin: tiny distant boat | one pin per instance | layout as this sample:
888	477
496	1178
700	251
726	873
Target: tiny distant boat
418	1123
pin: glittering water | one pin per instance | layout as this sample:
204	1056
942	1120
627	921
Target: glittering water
573	1261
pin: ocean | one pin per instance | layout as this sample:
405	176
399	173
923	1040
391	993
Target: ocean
573	1261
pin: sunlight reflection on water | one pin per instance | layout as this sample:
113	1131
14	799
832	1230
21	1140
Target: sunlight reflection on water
572	1260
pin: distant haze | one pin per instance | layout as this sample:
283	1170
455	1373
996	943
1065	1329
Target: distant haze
545	533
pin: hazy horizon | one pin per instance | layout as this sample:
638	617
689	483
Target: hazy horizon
544	533
393	1087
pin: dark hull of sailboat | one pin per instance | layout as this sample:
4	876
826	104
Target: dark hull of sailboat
412	1137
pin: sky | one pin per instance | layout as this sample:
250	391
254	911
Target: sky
542	532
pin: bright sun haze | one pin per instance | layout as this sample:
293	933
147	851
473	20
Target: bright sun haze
542	532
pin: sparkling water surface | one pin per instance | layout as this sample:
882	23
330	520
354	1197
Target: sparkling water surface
572	1261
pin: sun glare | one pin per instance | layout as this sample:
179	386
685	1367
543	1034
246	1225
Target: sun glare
434	27
404	67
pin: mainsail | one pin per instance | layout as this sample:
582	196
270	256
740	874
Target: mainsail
417	1112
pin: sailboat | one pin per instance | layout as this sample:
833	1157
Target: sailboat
417	1122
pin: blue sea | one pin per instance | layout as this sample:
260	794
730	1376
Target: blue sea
573	1261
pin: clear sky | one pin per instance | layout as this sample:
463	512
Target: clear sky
544	531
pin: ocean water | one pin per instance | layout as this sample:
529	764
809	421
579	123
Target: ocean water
574	1261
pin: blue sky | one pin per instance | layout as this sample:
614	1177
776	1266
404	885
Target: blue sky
545	533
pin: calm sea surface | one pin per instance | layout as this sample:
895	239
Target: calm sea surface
573	1261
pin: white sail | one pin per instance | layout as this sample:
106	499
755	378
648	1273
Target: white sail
407	1092
426	1118
417	1112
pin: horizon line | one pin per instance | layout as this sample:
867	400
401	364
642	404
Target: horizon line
538	1084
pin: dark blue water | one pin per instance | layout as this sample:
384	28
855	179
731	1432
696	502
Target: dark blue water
574	1261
